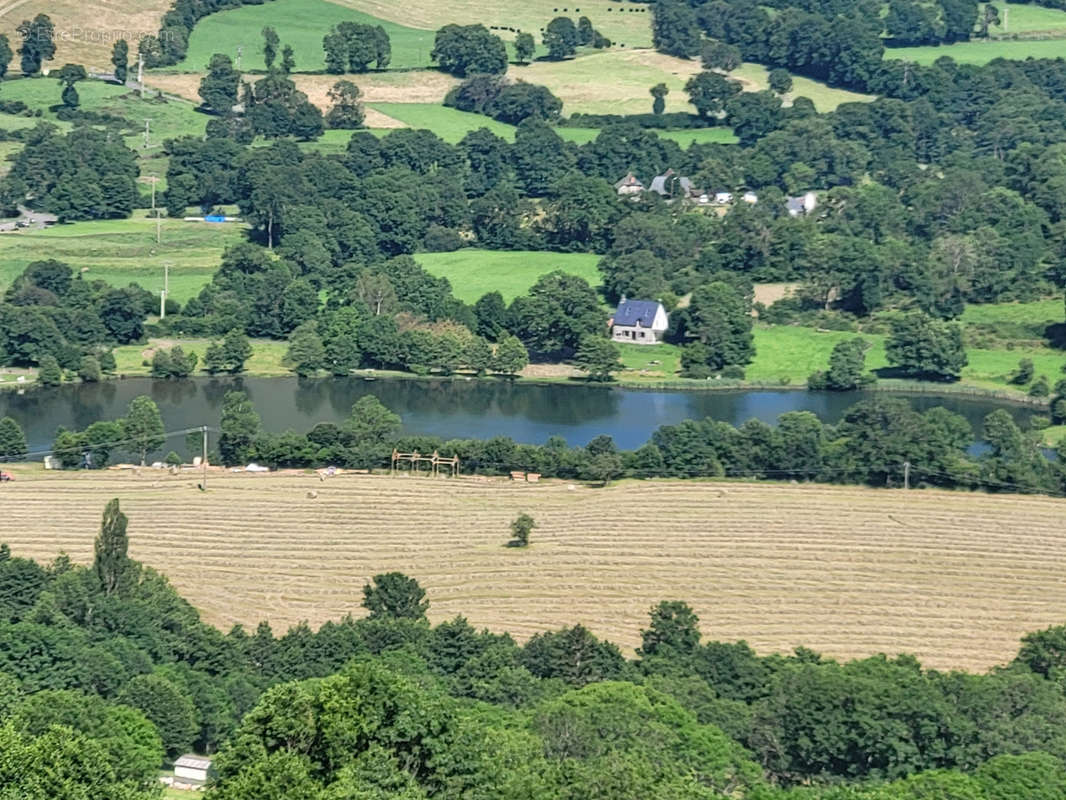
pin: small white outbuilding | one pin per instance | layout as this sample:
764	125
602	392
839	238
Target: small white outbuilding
192	770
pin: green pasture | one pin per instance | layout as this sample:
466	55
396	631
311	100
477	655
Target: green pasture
300	24
1025	18
981	52
1041	312
626	24
265	360
167	118
125	251
473	273
451	125
755	77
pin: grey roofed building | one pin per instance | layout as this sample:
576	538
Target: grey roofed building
659	182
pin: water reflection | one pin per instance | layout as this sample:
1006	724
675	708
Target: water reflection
450	409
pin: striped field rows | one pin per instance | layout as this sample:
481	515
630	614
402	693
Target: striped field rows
955	579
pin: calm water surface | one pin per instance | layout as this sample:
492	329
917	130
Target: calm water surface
525	412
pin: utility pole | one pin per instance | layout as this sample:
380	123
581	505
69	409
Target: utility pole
906	474
147	132
166	288
154	179
158	226
203	458
140	73
240	52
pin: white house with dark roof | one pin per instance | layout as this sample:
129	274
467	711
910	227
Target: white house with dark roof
639	322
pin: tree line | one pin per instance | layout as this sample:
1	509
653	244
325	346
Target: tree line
878	442
107	673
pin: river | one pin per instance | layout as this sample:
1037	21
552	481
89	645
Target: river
450	409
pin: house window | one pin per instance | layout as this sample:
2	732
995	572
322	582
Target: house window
642	334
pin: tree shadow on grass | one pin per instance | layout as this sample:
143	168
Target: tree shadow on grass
1055	333
902	374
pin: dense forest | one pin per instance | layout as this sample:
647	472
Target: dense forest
107	674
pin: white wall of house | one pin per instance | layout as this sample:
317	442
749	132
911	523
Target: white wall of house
190	774
636	335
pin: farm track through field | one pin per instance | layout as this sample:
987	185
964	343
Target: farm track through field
956	579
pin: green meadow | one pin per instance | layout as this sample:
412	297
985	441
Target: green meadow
981	52
300	24
125	251
473	273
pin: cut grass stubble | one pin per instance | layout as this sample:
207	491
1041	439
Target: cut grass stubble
956	579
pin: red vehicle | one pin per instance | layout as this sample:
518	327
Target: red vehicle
6	476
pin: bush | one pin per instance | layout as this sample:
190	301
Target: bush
818	381
1038	422
173	459
520	530
733	372
1040	387
1023	374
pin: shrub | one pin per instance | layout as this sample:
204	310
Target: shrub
520	529
1040	387
733	372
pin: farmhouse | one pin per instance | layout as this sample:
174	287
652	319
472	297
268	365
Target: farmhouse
191	771
639	322
629	185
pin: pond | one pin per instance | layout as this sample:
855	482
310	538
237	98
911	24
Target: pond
450	409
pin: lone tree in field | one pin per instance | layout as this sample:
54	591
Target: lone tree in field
709	92
395	596
6	54
561	38
924	347
68	76
38	43
12	440
524	47
110	562
270	46
780	81
346	112
520	530
120	58
659	91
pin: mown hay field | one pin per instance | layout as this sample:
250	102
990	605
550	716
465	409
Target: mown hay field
954	578
86	30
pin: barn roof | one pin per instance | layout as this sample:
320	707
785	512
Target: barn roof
193	761
633	312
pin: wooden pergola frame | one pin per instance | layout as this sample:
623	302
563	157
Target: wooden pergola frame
435	461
